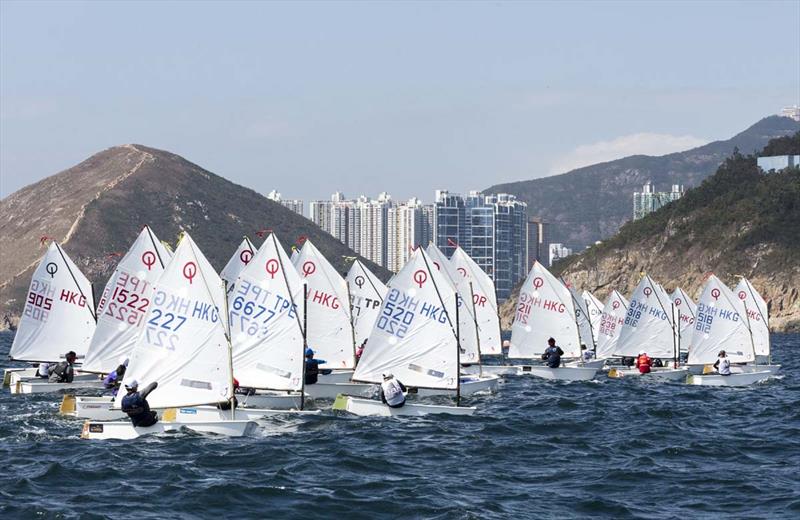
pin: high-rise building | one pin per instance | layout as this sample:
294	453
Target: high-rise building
792	112
295	205
557	252
407	228
538	241
649	200
449	221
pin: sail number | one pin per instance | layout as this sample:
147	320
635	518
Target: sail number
39	301
127	302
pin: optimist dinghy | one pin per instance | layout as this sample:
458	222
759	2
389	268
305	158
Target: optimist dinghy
723	324
547	308
415	338
185	348
59	316
758	319
651	325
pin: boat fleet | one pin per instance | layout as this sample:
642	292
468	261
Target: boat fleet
228	350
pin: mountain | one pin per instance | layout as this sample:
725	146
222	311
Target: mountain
96	209
591	203
738	222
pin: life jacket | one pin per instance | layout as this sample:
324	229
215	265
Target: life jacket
392	392
136	407
312	371
44	370
644	359
724	368
60	373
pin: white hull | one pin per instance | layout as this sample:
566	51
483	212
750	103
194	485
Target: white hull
469	385
739	369
561	373
369	407
491	370
36	387
100	409
28	375
592	363
273	401
656	374
16	373
124	430
743	379
331	390
337	376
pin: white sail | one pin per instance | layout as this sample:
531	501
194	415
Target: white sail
484	299
366	295
584	320
124	303
611	322
648	323
685	312
720	325
595	307
184	345
467	326
238	261
544	310
330	332
266	316
59	312
414	337
757	314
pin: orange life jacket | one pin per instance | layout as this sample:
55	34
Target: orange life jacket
644	359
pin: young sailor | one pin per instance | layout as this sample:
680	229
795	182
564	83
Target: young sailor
587	354
136	406
723	364
114	379
64	372
553	354
392	392
643	362
312	367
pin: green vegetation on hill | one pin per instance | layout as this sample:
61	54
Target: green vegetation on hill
736	208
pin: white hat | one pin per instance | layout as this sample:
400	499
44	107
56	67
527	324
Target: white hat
388	376
641	352
132	384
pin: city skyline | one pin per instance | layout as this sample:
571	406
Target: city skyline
323	97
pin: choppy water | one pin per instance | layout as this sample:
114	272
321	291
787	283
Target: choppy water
610	448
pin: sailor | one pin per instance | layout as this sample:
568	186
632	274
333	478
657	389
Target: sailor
392	392
587	354
643	362
312	367
114	379
723	364
226	405
136	406
64	372
553	354
504	349
360	351
43	371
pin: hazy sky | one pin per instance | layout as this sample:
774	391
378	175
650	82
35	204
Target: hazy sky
309	98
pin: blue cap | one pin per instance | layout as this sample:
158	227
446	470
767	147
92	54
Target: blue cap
309	352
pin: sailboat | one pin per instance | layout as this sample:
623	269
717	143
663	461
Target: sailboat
611	323
546	308
469	336
686	311
485	312
244	253
595	308
650	326
366	295
58	317
186	348
758	318
585	330
329	325
722	324
121	313
415	338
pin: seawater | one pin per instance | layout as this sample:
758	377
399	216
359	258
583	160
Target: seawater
536	449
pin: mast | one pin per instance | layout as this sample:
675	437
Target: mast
750	330
765	318
305	344
458	355
577	325
477	330
231	397
352	325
